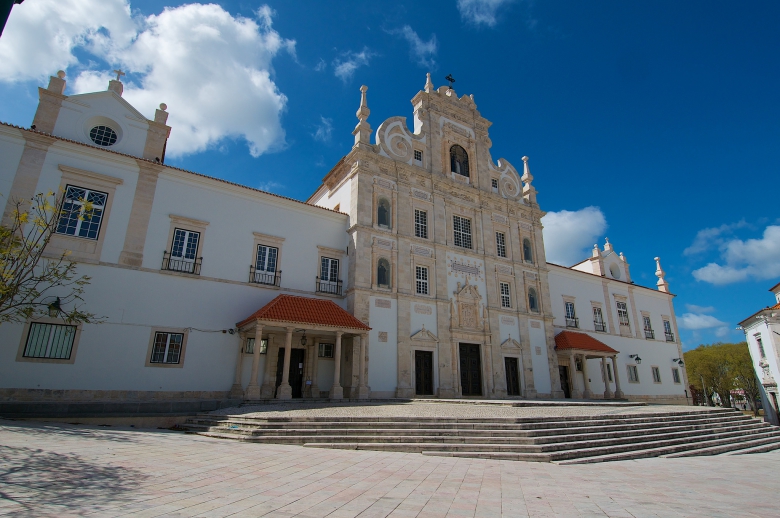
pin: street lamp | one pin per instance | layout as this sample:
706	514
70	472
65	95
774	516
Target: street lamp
636	358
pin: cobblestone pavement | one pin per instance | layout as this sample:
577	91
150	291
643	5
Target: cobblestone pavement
64	470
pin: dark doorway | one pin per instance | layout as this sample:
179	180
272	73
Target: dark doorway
470	370
512	379
296	371
564	372
423	373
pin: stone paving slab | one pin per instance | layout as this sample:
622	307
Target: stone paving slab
66	470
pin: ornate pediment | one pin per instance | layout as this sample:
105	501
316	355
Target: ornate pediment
423	335
467	310
510	343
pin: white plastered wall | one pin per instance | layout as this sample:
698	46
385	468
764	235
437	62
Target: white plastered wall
383	356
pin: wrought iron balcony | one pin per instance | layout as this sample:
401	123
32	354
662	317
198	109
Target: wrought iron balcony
649	334
332	287
179	264
669	336
263	277
572	322
601	327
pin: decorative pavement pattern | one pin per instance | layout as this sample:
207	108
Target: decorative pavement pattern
68	470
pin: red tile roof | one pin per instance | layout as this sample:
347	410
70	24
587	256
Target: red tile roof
304	310
582	341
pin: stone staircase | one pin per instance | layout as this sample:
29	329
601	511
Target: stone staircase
564	440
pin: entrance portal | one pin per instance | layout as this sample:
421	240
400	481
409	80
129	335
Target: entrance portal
423	373
295	374
512	379
564	373
470	370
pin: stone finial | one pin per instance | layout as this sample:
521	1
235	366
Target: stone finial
57	84
596	251
529	193
61	74
362	131
660	273
607	245
161	115
622	258
428	83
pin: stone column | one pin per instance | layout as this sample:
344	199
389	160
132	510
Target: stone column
363	390
586	394
575	390
607	388
618	392
236	391
285	390
253	389
336	392
269	377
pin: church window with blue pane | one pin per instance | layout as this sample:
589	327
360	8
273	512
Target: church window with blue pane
82	212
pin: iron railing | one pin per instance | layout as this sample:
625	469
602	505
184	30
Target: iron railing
669	336
331	287
600	326
649	334
263	277
572	322
178	264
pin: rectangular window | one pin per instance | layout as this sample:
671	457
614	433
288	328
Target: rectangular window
49	341
571	316
167	347
266	258
676	375
656	374
494	184
421	279
250	346
421	224
185	244
760	343
325	351
668	331
500	244
598	320
506	299
418	155
82	212
461	228
623	314
633	374
329	270
649	333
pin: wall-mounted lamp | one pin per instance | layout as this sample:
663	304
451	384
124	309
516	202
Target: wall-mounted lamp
636	358
679	361
55	308
303	338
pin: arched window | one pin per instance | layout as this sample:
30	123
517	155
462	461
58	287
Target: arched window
383	272
527	253
383	213
533	301
459	160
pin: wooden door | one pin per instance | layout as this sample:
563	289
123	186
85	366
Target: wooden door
512	378
295	376
423	373
470	370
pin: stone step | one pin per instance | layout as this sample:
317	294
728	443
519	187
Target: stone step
770	446
768	442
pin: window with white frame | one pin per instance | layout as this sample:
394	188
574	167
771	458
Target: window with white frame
325	350
82	212
266	258
329	269
571	315
622	310
506	298
633	374
167	347
420	223
421	279
249	348
668	331
598	320
500	244
649	333
461	228
760	344
53	341
676	375
185	245
656	374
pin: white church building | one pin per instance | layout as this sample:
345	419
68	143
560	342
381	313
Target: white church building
417	269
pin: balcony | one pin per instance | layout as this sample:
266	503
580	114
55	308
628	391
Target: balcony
181	265
330	287
649	334
263	277
572	322
601	327
669	336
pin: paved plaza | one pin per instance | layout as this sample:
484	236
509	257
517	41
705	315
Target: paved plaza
72	470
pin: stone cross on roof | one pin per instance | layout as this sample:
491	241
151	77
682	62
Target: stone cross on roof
119	74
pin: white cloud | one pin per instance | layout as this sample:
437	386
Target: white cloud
319	67
481	12
324	130
421	51
693	308
270	186
709	238
696	321
212	69
568	235
345	66
752	258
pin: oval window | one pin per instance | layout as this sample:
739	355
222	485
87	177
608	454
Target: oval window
614	270
103	135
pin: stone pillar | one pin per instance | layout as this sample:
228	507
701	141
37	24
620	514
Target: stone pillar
575	390
607	388
618	392
253	389
586	394
285	390
140	213
236	391
25	181
310	371
363	390
269	378
336	392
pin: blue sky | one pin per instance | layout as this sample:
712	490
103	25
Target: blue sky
652	123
